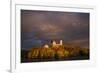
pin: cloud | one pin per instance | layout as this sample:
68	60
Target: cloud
80	42
68	26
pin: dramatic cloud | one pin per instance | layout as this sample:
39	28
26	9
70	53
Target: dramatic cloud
40	27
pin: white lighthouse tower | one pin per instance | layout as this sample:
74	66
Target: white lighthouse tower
61	43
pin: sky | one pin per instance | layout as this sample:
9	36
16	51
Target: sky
42	27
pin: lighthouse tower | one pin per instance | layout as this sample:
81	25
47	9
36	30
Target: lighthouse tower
61	43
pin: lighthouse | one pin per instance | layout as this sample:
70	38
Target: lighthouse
61	43
54	44
57	44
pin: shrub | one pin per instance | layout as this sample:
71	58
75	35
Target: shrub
33	54
47	53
